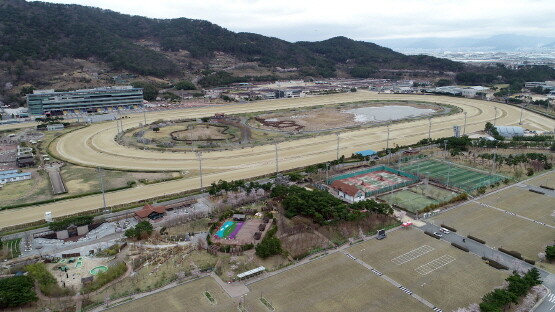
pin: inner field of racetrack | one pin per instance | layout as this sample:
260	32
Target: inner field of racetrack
95	146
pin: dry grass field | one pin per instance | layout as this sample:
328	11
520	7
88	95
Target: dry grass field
188	297
203	132
525	203
499	229
546	180
461	282
333	283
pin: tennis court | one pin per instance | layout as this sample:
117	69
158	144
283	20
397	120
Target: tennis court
376	180
451	174
418	197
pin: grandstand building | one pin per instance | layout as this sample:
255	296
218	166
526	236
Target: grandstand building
50	102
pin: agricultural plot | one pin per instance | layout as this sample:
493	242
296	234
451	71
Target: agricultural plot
499	229
525	203
445	276
333	283
453	175
188	297
418	197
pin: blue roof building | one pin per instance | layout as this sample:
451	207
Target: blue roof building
366	153
14	177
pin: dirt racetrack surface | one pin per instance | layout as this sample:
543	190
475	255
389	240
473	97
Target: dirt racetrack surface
95	146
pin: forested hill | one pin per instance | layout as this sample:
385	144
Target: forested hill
46	31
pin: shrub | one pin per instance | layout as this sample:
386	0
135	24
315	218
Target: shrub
460	247
47	282
511	252
16	291
452	229
270	244
532	262
550	253
476	239
497	265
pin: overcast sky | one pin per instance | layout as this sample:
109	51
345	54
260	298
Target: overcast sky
312	20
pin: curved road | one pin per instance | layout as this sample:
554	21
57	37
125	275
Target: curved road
95	146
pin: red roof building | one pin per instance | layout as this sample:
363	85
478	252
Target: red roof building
151	212
348	192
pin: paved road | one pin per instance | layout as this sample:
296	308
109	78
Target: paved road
95	146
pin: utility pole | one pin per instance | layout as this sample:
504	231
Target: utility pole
337	153
464	129
495	118
277	159
101	175
144	114
445	148
199	157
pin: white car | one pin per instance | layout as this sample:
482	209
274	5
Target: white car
445	231
438	234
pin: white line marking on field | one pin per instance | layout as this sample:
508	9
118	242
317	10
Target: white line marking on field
434	264
413	254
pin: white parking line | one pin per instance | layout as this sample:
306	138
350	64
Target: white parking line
434	265
413	254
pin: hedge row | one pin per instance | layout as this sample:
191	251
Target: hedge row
537	192
497	265
476	239
452	229
547	187
460	247
513	253
431	234
532	262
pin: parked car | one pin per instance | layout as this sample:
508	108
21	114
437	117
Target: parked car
445	231
438	234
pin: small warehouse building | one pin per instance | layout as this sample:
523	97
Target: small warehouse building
347	192
8	176
54	127
150	212
509	131
239	217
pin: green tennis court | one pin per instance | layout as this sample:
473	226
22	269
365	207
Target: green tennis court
418	197
451	174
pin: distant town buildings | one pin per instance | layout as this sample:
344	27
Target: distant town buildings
42	102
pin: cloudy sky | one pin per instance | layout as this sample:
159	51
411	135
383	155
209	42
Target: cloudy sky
312	20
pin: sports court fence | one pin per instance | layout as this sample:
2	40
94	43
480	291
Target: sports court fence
412	179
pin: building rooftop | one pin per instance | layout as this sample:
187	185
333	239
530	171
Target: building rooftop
366	153
148	209
348	189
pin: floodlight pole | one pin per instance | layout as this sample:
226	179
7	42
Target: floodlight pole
445	148
430	130
494	159
277	159
144	114
337	153
327	173
521	111
464	129
199	157
100	172
387	145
